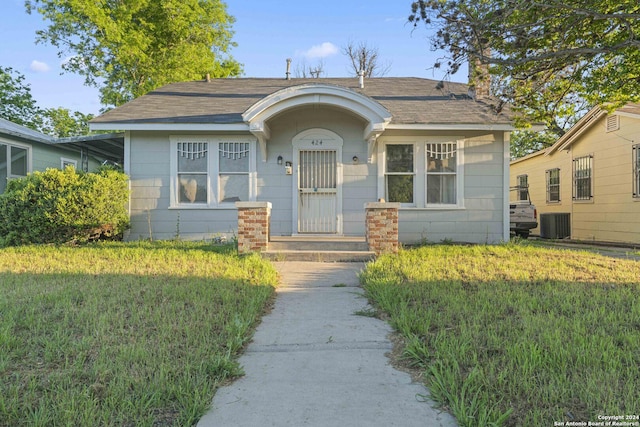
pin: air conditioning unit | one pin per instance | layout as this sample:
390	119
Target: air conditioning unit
555	225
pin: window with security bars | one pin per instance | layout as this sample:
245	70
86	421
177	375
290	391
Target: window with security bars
441	172
553	185
523	186
636	170
233	172
192	172
399	173
583	178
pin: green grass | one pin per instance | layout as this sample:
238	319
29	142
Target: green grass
516	335
123	334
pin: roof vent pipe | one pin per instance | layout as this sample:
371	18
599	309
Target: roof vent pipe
208	77
288	68
361	79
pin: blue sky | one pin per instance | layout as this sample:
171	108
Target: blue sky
267	33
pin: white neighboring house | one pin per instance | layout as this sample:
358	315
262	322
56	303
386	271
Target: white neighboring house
317	150
23	150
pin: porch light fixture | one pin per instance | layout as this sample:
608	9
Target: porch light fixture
355	160
280	160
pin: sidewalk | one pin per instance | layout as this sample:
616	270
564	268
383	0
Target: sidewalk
313	362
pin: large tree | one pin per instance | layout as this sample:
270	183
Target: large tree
16	102
549	57
18	106
129	47
61	122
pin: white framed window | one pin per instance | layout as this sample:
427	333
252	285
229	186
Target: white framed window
583	178
441	170
635	151
426	173
68	162
523	187
212	171
233	171
193	172
553	185
400	173
15	162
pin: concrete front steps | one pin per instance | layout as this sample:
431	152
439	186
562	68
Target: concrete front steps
318	249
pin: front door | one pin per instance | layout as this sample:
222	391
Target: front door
318	190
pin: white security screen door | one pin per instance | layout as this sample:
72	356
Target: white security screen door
317	189
317	183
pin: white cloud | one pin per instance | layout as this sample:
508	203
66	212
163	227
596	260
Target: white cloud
39	66
321	51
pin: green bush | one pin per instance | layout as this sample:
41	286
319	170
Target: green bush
59	206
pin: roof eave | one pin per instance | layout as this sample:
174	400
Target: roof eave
576	130
150	126
528	156
26	137
244	127
498	127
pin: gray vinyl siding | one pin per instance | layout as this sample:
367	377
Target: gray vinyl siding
480	220
45	157
150	212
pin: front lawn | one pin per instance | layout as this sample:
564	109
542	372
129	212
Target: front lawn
123	334
516	335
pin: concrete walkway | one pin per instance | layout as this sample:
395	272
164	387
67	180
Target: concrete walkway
313	362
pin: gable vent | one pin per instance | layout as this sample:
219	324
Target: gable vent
613	123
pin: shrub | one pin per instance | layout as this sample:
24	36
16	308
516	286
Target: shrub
59	206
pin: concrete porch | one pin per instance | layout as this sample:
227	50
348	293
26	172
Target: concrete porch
381	229
318	248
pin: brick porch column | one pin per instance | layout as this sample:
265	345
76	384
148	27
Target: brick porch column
253	226
382	227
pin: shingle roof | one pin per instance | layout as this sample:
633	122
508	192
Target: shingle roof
222	101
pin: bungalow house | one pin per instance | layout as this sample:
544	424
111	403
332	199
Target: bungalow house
24	150
317	150
587	185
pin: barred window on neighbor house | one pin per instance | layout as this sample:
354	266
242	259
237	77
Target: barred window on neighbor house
441	173
583	178
399	173
553	185
523	186
636	170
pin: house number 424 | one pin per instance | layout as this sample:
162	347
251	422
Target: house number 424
316	142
